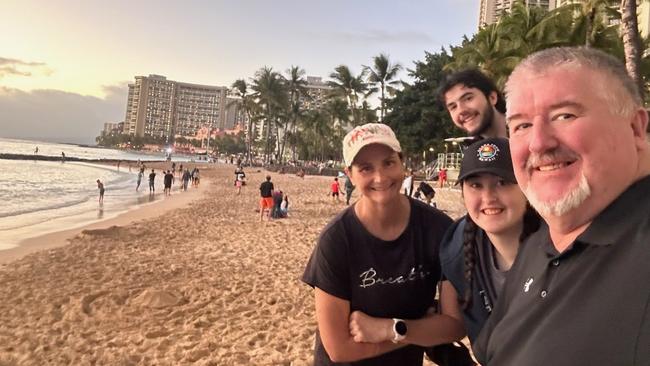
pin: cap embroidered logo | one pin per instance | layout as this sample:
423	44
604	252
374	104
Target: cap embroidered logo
487	152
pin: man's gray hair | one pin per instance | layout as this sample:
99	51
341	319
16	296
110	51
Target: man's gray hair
552	58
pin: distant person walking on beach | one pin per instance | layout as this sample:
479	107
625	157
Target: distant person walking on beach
186	179
334	190
62	156
196	177
375	268
168	179
349	188
239	178
36	150
152	178
100	186
266	200
140	175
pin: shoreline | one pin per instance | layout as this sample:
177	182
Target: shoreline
134	214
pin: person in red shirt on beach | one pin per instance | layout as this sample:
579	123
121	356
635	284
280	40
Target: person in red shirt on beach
442	177
335	188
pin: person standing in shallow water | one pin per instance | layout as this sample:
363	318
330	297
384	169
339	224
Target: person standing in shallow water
140	176
361	313
100	186
152	181
168	179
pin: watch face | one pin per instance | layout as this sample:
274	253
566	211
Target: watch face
400	328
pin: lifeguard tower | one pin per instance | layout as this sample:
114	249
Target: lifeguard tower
450	159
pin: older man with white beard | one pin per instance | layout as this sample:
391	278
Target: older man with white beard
579	292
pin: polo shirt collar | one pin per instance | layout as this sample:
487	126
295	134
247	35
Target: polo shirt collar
620	216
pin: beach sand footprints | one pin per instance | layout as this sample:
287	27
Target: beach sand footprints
158	299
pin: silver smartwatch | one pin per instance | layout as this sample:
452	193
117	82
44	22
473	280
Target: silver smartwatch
399	330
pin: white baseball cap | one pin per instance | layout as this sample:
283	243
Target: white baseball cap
370	133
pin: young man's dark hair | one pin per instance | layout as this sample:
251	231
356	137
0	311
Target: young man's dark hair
472	78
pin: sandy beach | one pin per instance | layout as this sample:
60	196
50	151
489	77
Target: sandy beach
200	281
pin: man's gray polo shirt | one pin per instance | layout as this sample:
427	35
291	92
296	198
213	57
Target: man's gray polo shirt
587	306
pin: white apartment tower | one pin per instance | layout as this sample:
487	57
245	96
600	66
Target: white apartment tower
316	92
164	108
491	10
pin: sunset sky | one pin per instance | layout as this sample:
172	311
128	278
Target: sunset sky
65	65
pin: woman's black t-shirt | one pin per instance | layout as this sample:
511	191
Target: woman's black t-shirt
386	279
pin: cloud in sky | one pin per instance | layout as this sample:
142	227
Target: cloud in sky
54	115
12	66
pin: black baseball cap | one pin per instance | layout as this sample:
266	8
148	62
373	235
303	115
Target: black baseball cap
490	155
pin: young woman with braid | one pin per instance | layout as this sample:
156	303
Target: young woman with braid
479	249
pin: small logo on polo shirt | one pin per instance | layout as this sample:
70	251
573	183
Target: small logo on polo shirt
487	152
529	282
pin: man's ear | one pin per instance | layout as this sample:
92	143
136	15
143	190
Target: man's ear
493	97
639	124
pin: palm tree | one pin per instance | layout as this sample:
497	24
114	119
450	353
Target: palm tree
296	87
383	73
488	50
632	42
337	111
247	105
348	86
271	96
589	17
529	29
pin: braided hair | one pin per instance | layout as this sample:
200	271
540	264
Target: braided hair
531	222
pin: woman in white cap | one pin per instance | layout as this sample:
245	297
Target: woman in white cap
376	267
479	249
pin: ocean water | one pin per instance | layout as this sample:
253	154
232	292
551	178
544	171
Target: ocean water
38	197
26	147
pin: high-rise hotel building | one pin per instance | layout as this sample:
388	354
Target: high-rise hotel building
164	108
491	10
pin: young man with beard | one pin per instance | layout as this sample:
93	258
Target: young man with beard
474	103
579	292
